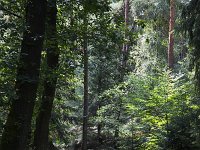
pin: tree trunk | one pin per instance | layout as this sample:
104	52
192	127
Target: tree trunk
99	126
123	66
171	35
125	44
17	127
85	103
41	140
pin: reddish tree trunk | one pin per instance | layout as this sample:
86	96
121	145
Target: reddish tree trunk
171	35
125	45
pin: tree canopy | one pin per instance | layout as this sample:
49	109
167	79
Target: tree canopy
99	74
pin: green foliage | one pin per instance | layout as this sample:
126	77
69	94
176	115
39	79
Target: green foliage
152	108
191	25
10	36
147	106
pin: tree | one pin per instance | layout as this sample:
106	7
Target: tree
125	44
41	140
10	36
85	102
124	60
171	34
17	127
191	18
113	86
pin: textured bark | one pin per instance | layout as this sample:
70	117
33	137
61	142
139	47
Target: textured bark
171	35
85	103
17	127
41	140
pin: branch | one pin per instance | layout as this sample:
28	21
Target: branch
9	12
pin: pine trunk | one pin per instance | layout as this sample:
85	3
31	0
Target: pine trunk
41	140
171	35
17	127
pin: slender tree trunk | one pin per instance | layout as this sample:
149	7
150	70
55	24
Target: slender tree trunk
123	66
99	133
41	140
132	137
85	103
125	45
99	126
17	127
171	35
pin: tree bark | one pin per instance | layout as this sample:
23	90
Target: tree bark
85	103
99	126
17	127
171	35
41	140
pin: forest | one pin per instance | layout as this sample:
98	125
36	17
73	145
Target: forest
99	74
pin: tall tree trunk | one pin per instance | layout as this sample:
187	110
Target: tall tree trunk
41	140
17	127
85	103
171	35
99	126
125	44
123	66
